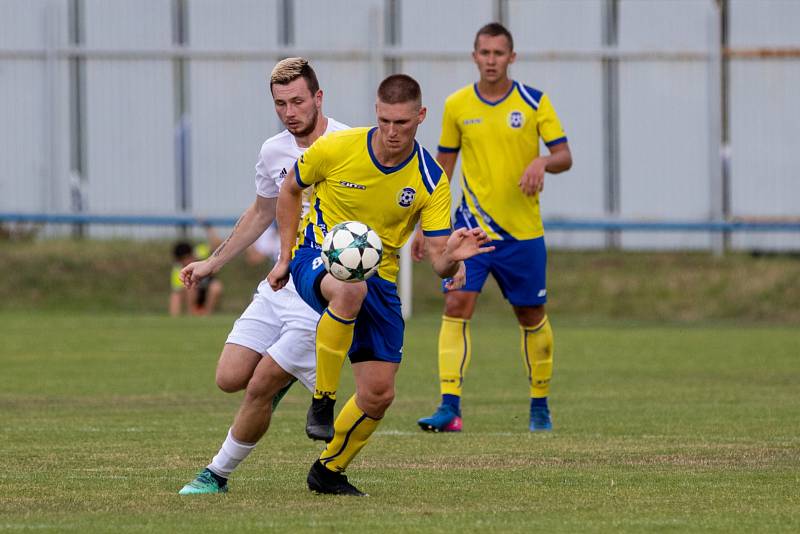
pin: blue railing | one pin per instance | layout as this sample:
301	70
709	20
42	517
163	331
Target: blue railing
550	224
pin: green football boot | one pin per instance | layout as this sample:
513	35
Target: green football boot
204	483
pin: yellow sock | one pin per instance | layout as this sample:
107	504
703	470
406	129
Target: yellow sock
334	337
537	352
352	431
455	350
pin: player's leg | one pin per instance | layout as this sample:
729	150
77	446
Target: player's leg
455	346
334	337
522	278
214	293
251	336
537	353
375	354
338	303
354	425
253	418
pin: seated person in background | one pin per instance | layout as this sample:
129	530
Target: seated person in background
200	300
266	247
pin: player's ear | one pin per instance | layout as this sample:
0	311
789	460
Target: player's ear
318	98
512	57
423	112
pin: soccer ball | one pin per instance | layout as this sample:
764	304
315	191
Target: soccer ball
351	251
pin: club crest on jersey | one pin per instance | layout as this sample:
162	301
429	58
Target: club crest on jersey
516	119
405	197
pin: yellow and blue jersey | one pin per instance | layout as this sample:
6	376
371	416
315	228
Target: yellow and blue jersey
201	252
498	140
350	184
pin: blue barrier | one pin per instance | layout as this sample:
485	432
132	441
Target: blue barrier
570	225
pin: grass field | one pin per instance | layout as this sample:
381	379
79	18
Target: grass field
665	428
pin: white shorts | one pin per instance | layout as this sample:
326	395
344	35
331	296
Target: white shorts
280	324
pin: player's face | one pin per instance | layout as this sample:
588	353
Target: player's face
398	124
296	107
493	55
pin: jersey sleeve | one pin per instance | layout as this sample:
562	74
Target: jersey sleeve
265	184
435	216
550	128
450	140
312	166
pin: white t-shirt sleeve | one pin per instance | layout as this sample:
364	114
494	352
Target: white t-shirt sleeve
265	184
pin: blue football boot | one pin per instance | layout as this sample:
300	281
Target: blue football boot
444	420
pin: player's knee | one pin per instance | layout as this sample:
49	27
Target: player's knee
529	315
348	298
230	382
457	305
259	391
376	402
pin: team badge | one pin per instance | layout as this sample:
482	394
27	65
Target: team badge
516	119
406	196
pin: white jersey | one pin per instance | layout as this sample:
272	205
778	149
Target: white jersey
278	154
280	323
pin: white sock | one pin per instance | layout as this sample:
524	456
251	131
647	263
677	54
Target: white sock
230	455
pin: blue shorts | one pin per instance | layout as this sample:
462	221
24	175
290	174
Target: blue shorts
519	268
379	327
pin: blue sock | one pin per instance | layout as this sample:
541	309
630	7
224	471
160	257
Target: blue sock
454	401
540	402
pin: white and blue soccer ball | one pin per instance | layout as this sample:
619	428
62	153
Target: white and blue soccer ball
351	251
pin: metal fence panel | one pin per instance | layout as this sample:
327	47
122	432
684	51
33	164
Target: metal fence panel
575	89
34	134
230	112
130	117
664	151
348	84
765	121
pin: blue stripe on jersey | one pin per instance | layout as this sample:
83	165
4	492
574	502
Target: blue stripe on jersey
297	176
320	218
436	233
382	168
485	216
448	150
530	95
430	171
555	142
337	318
489	102
467	217
309	238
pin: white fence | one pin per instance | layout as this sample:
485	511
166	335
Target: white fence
676	110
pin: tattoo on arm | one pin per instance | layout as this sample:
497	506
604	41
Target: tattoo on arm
221	247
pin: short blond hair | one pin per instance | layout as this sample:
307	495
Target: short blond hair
289	69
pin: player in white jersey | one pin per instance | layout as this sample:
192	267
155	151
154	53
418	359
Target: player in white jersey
272	343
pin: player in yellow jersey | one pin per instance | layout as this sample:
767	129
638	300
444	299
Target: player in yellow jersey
496	125
383	178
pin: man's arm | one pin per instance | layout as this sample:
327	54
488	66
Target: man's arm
559	160
290	203
253	222
448	162
447	252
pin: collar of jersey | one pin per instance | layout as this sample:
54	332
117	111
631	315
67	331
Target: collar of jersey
383	168
494	103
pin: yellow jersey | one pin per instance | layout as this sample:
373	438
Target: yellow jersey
350	184
498	140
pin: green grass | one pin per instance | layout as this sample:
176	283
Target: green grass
658	427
